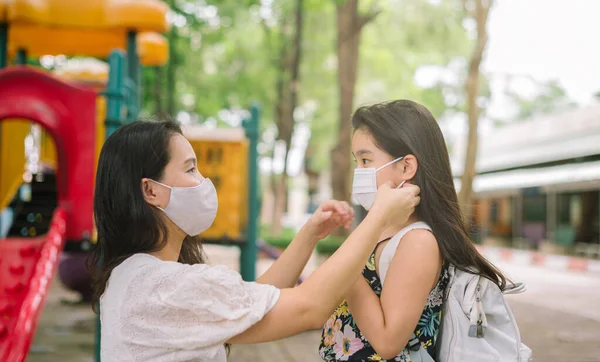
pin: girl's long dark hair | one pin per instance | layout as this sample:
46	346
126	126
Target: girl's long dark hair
404	127
126	223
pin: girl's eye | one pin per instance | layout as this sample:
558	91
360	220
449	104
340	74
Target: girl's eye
365	161
192	170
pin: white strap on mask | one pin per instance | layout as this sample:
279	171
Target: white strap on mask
160	183
389	163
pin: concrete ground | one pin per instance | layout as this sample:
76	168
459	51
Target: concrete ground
559	318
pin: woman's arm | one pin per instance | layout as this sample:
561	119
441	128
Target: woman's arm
308	305
286	270
389	322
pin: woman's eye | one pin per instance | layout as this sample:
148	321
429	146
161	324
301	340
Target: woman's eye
364	161
192	170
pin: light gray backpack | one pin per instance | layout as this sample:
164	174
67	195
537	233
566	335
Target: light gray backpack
477	323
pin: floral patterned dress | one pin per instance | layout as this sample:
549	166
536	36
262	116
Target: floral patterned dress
341	340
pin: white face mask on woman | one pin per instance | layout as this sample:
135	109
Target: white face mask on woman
364	187
193	209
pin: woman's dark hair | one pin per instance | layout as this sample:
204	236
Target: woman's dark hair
126	223
404	127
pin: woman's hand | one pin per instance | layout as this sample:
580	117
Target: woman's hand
330	215
394	206
285	271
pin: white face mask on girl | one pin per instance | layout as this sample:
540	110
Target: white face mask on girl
193	209
364	187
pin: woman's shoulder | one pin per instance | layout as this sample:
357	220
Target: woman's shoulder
198	306
204	288
150	273
147	279
145	266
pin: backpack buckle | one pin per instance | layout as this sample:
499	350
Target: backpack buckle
414	344
477	331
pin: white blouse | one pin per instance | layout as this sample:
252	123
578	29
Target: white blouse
154	310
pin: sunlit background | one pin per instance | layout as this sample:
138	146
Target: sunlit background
534	209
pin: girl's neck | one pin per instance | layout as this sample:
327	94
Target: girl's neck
389	232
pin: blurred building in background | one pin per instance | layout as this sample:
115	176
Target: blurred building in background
538	183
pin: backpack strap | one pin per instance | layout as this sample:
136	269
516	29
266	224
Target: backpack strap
514	288
390	248
477	318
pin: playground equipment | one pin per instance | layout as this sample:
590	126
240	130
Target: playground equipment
31	216
91	73
74	110
67	112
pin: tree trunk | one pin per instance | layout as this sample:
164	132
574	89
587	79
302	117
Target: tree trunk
313	179
349	27
279	182
465	197
313	190
280	197
287	86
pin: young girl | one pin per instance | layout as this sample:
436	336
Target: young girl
159	302
384	315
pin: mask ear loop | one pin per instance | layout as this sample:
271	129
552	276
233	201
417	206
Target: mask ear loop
401	184
160	183
167	186
389	163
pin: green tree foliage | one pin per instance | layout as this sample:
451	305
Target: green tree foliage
225	56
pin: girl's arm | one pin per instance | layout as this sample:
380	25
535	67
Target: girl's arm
388	323
308	305
286	270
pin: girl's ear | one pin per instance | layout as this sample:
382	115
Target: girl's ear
409	165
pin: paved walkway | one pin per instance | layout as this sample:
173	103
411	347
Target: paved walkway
558	317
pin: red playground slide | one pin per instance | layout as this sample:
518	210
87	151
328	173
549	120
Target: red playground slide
27	265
